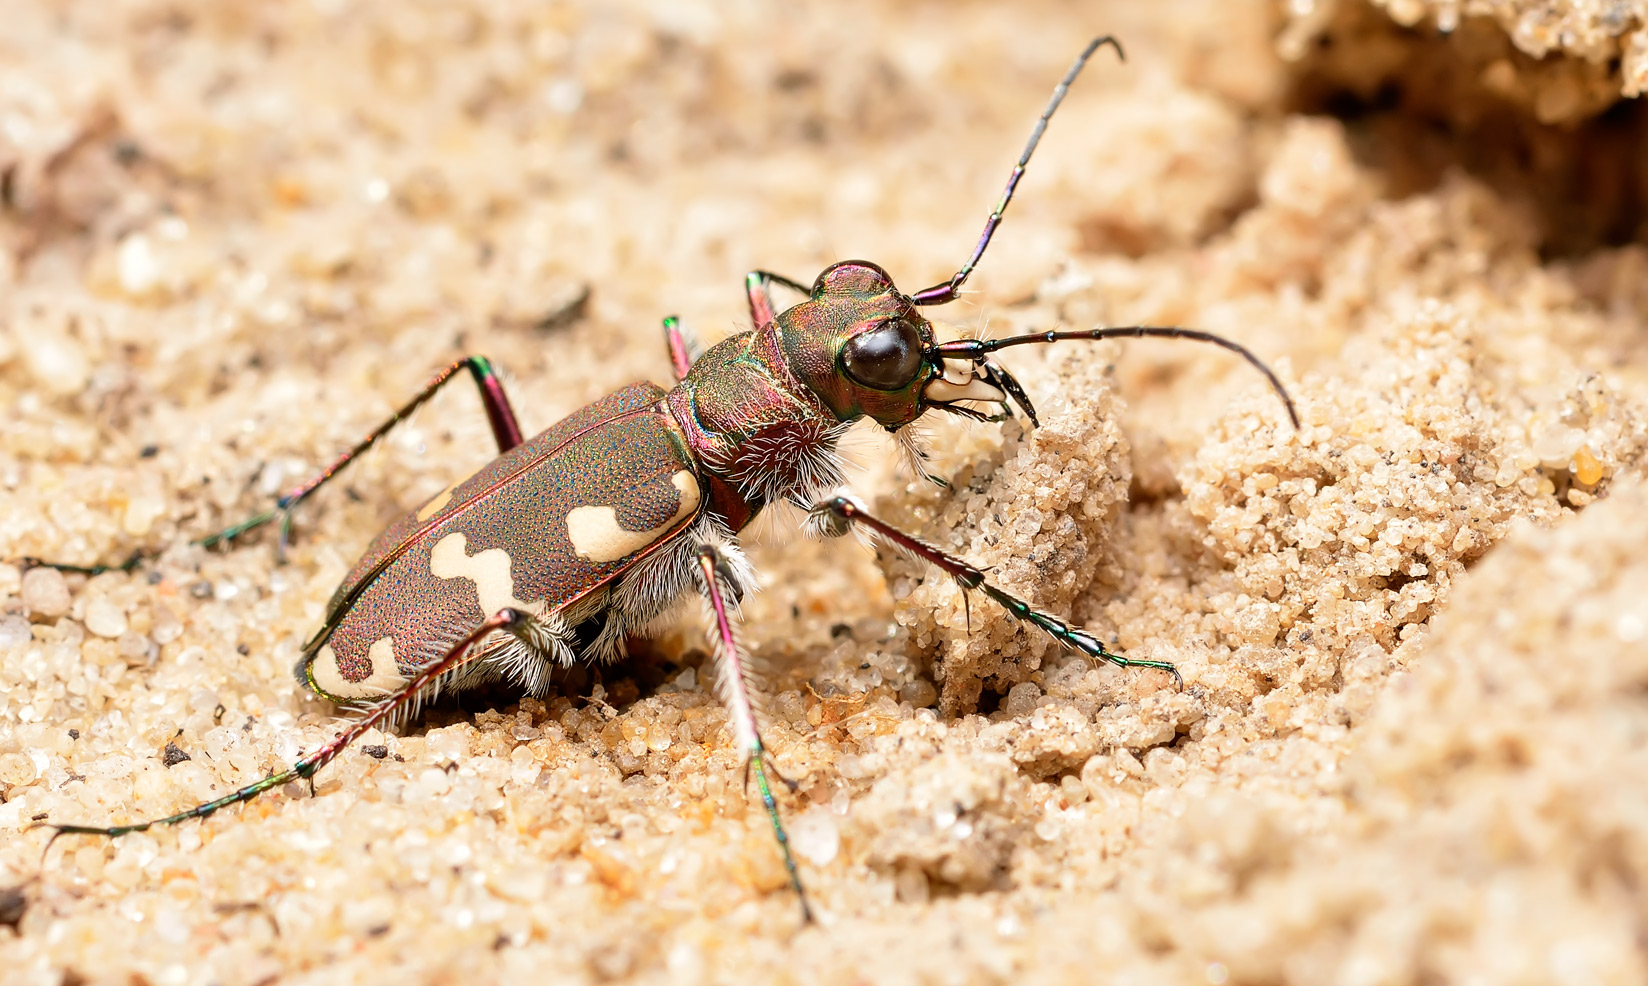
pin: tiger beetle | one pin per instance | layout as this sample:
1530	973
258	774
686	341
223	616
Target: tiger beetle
570	541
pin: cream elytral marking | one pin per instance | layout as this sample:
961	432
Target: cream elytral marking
438	502
596	536
385	677
489	570
435	503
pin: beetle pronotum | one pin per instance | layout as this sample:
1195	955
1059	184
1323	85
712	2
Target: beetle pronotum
571	540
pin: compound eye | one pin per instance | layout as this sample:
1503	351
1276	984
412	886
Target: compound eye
887	357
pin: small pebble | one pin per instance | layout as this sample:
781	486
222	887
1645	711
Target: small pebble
105	619
137	266
920	693
1557	446
1021	699
141	513
54	358
45	592
1587	469
816	836
14	632
133	646
435	781
912	886
167	627
16	769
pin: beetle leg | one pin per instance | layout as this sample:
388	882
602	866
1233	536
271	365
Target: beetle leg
683	347
508	620
135	559
498	412
733	684
840	512
759	285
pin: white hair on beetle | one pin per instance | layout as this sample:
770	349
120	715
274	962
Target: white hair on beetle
737	681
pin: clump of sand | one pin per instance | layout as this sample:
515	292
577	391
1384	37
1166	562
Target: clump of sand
1599	51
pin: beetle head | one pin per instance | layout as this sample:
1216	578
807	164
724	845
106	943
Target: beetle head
865	349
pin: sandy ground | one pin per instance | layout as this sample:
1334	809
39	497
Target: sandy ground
1411	747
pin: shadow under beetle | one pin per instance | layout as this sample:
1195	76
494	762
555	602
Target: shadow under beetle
589	532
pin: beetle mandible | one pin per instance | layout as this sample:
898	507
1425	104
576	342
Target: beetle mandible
574	539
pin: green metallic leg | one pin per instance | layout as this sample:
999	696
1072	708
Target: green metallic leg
835	515
498	412
734	688
136	558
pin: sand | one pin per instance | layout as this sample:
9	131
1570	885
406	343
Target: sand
1604	44
1413	633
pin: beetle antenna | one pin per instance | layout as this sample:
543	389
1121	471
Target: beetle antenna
977	349
948	291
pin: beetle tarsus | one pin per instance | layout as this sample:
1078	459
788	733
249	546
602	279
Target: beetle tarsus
734	688
783	837
772	768
505	430
136	558
305	768
233	531
1095	649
